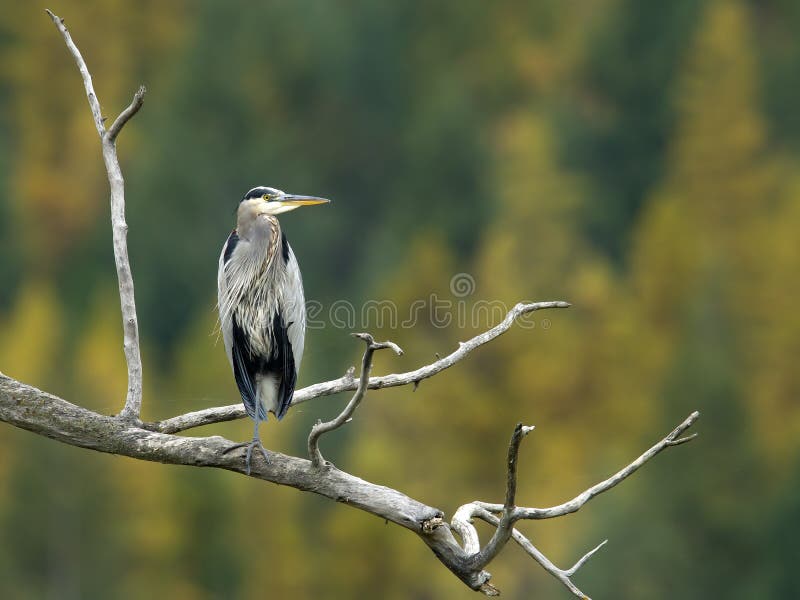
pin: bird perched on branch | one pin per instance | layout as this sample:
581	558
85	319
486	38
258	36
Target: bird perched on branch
261	305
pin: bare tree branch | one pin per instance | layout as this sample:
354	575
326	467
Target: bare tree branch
94	103
29	408
576	503
571	506
130	326
321	428
347	383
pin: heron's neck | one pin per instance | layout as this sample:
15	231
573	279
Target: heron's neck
263	234
252	224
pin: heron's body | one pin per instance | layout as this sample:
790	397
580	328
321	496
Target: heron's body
262	316
262	305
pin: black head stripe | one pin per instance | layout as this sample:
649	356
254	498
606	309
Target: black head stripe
258	192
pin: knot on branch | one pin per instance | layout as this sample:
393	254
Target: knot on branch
431	525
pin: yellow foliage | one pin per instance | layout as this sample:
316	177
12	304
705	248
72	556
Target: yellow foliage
723	220
31	341
99	367
59	187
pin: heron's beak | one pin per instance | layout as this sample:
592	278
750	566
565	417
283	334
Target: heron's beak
295	201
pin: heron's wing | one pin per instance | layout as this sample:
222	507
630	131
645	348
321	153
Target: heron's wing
223	294
294	304
281	362
245	369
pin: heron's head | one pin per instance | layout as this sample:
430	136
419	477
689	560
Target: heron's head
270	201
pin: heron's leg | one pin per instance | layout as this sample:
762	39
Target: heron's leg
255	442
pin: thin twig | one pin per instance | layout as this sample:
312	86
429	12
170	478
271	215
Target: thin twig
346	415
576	503
348	384
582	560
520	431
130	325
127	114
571	506
564	576
94	103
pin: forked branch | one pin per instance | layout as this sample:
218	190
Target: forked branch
510	514
130	324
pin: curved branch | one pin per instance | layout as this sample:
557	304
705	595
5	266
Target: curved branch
321	428
348	383
574	505
130	326
32	409
127	114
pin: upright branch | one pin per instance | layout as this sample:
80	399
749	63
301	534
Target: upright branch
347	414
506	521
130	325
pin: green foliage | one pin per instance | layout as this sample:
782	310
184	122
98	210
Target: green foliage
636	159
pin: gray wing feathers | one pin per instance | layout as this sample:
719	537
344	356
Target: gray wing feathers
294	309
225	324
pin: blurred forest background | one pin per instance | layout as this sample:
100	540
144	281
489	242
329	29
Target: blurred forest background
639	159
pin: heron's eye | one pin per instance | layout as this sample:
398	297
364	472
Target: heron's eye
266	197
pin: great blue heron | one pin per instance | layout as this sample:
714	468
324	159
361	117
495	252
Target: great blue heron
262	307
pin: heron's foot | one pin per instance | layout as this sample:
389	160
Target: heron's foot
254	443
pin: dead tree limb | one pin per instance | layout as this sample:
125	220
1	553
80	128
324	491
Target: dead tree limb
29	408
108	139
